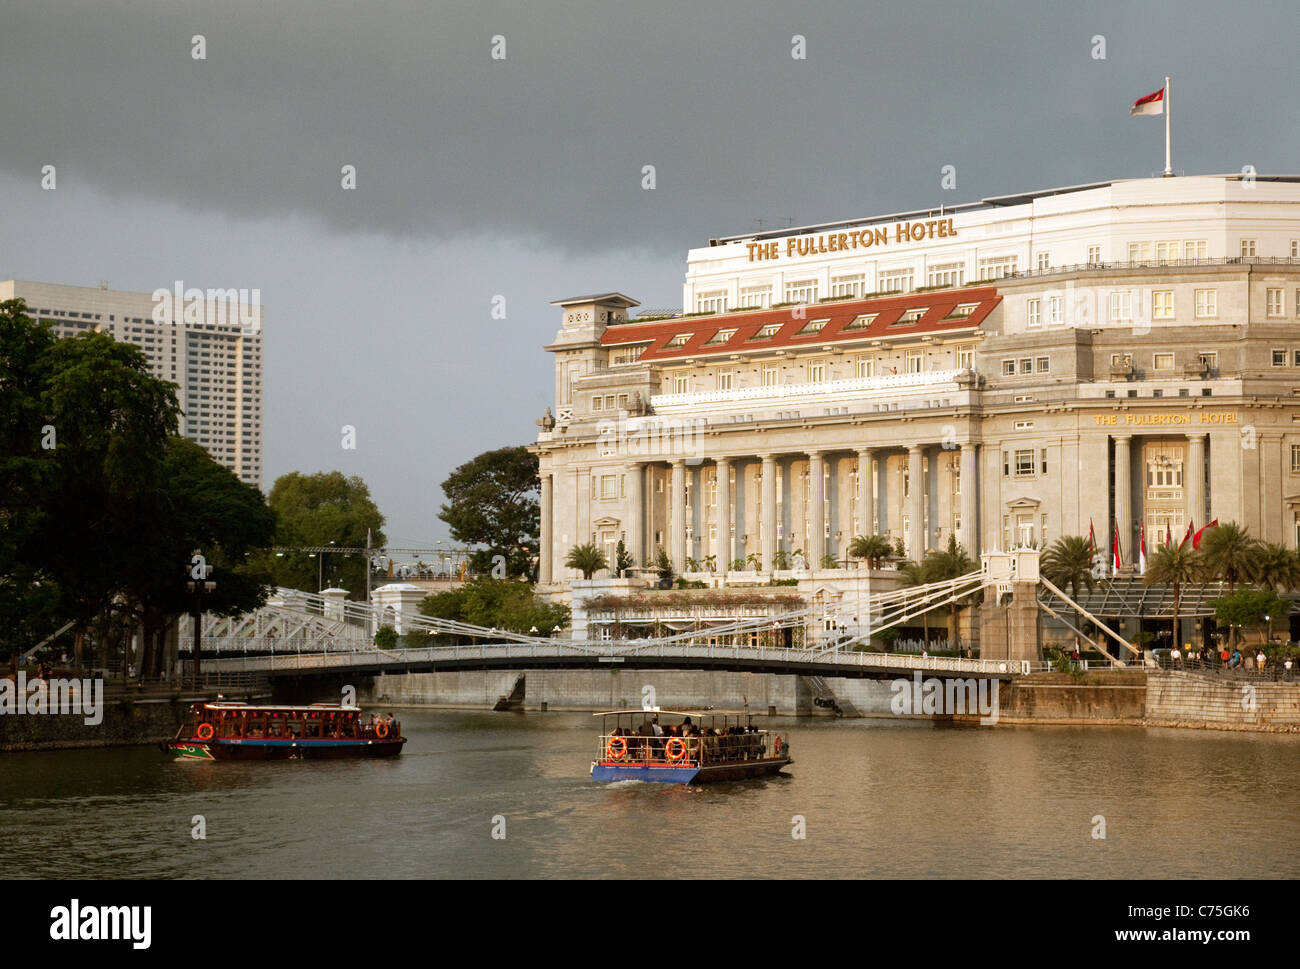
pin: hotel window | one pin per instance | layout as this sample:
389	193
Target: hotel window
1055	310
755	297
1279	358
767	332
609	486
912	362
910	317
609	402
596	403
1162	361
1034	314
1026	365
679	340
1295	248
1207	302
682	385
1042	364
965	358
812	326
622	358
1025	463
1247	248
864	367
1121	306
816	372
801	291
1196	249
622	401
719	338
714	302
769	376
1208	359
1008	368
948	274
861	322
1139	251
1166	251
1162	304
1044	261
1274	302
726	380
1295	458
1094	255
847	285
896	281
997	268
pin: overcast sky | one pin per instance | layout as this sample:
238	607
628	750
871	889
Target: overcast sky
522	177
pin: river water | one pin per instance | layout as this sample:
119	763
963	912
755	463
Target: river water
877	798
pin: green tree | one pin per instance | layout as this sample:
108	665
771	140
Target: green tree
386	637
664	567
1277	567
951	562
492	500
326	508
587	559
874	548
1067	564
496	604
1251	607
1175	566
622	559
1230	553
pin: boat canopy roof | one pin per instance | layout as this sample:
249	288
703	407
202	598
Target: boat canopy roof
234	705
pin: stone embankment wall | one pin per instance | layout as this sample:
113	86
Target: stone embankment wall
1194	700
139	722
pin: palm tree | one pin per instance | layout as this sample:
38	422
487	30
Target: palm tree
1068	562
1175	565
587	559
941	566
1230	553
1278	567
874	548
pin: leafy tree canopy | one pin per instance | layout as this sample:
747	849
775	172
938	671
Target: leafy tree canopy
492	501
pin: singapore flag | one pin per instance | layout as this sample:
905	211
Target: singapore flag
1151	104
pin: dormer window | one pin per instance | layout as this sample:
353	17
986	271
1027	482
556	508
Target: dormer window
862	322
962	310
911	317
813	326
721	337
767	332
679	340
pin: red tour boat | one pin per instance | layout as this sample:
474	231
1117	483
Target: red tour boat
238	731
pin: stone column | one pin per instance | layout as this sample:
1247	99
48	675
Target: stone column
1123	502
816	509
769	511
916	502
863	506
1194	479
677	536
723	549
547	554
635	514
970	525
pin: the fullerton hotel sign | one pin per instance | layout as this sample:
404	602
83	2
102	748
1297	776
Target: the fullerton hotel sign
865	238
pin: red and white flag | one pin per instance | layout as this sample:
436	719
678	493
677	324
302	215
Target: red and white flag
1142	550
1151	104
1196	542
1092	541
1117	563
1191	525
1169	539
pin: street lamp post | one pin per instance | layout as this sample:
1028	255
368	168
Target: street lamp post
198	586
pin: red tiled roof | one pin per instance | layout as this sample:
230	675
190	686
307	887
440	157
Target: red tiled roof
889	311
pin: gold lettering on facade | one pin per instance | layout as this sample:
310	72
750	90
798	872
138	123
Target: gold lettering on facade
904	232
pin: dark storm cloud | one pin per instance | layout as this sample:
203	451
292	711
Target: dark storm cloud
550	142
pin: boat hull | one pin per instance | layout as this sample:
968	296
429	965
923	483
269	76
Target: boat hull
235	749
606	771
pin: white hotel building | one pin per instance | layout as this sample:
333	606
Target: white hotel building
1009	371
216	364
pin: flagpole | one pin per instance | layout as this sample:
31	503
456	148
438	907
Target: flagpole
1169	171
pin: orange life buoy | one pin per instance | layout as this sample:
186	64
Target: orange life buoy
204	732
616	748
675	749
381	730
